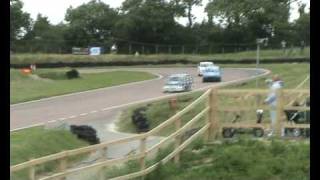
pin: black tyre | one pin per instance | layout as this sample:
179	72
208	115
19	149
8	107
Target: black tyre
228	132
258	132
296	132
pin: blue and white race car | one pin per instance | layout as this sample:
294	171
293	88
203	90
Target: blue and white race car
212	74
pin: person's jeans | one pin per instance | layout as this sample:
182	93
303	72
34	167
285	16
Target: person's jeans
273	117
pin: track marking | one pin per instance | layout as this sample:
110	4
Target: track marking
26	127
83	114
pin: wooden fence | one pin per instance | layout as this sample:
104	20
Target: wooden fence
214	110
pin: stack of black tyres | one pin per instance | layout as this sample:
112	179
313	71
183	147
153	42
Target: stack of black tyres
86	133
139	119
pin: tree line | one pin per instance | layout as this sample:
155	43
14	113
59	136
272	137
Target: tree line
154	23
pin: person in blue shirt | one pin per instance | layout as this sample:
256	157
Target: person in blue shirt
271	100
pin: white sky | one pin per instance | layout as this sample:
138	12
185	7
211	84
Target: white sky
56	9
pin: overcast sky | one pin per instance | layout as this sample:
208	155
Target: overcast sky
56	9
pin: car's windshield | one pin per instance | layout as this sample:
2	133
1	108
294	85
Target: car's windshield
174	80
205	65
211	70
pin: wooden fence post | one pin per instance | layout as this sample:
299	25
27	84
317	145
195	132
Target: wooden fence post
279	111
213	114
206	134
62	166
143	151
32	173
177	140
105	152
101	175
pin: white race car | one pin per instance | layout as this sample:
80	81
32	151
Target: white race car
203	66
178	83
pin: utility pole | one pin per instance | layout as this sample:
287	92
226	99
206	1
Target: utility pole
259	42
257	61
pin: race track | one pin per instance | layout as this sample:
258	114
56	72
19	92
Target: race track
103	104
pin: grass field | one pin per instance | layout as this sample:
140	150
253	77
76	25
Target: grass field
159	111
68	58
37	142
52	82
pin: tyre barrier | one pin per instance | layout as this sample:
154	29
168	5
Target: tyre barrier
86	133
140	120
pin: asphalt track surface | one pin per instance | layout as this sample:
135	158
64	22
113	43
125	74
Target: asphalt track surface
103	105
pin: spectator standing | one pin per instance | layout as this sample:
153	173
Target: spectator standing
271	100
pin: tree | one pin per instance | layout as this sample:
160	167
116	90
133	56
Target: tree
302	25
19	20
149	21
44	37
189	4
90	24
250	19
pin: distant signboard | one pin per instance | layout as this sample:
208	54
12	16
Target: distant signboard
94	51
80	51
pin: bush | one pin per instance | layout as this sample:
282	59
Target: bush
72	74
86	133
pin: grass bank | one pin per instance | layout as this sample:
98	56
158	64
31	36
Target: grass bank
37	142
159	111
242	160
54	60
52	82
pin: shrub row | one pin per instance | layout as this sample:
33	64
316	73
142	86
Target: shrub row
56	60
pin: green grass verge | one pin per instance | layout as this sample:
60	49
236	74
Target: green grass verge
242	160
291	73
67	58
37	142
159	111
24	88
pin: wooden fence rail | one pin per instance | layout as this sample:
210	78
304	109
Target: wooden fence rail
209	130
